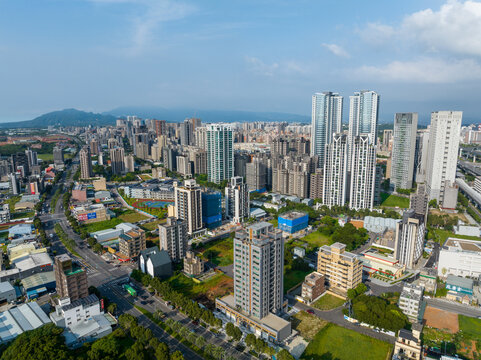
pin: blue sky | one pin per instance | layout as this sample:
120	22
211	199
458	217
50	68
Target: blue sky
96	55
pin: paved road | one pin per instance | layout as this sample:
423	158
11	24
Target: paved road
454	307
433	259
153	303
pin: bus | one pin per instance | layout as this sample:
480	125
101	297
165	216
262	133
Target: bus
130	290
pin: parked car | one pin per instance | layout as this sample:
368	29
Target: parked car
310	311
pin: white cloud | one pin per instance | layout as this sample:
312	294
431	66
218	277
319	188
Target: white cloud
337	50
153	14
424	70
455	27
260	67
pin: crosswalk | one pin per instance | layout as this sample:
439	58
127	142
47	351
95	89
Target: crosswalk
88	268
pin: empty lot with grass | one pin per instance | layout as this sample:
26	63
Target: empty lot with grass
335	342
394	201
132	216
204	292
316	239
308	325
219	252
328	302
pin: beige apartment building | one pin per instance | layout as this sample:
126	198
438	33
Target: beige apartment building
132	242
342	269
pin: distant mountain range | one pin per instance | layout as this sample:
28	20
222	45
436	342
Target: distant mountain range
73	117
67	117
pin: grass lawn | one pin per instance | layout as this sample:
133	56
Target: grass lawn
12	201
216	286
442	235
328	302
293	278
103	225
219	252
45	157
308	325
316	239
335	342
394	201
132	216
470	325
152	225
273	222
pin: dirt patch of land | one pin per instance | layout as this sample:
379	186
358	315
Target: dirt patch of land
441	319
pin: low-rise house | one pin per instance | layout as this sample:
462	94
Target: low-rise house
299	252
313	286
193	265
155	262
82	319
7	292
408	344
459	289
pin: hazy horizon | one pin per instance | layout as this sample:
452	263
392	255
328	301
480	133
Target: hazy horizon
261	56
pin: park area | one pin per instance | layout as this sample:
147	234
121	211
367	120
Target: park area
219	252
389	200
328	302
335	342
204	292
308	325
132	216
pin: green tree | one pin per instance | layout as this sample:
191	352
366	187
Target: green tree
112	308
200	342
43	343
177	355
250	340
162	352
284	355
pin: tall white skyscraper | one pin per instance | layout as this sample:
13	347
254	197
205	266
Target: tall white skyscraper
326	121
237	200
409	242
403	151
220	152
335	172
363	116
188	205
363	173
443	156
259	270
